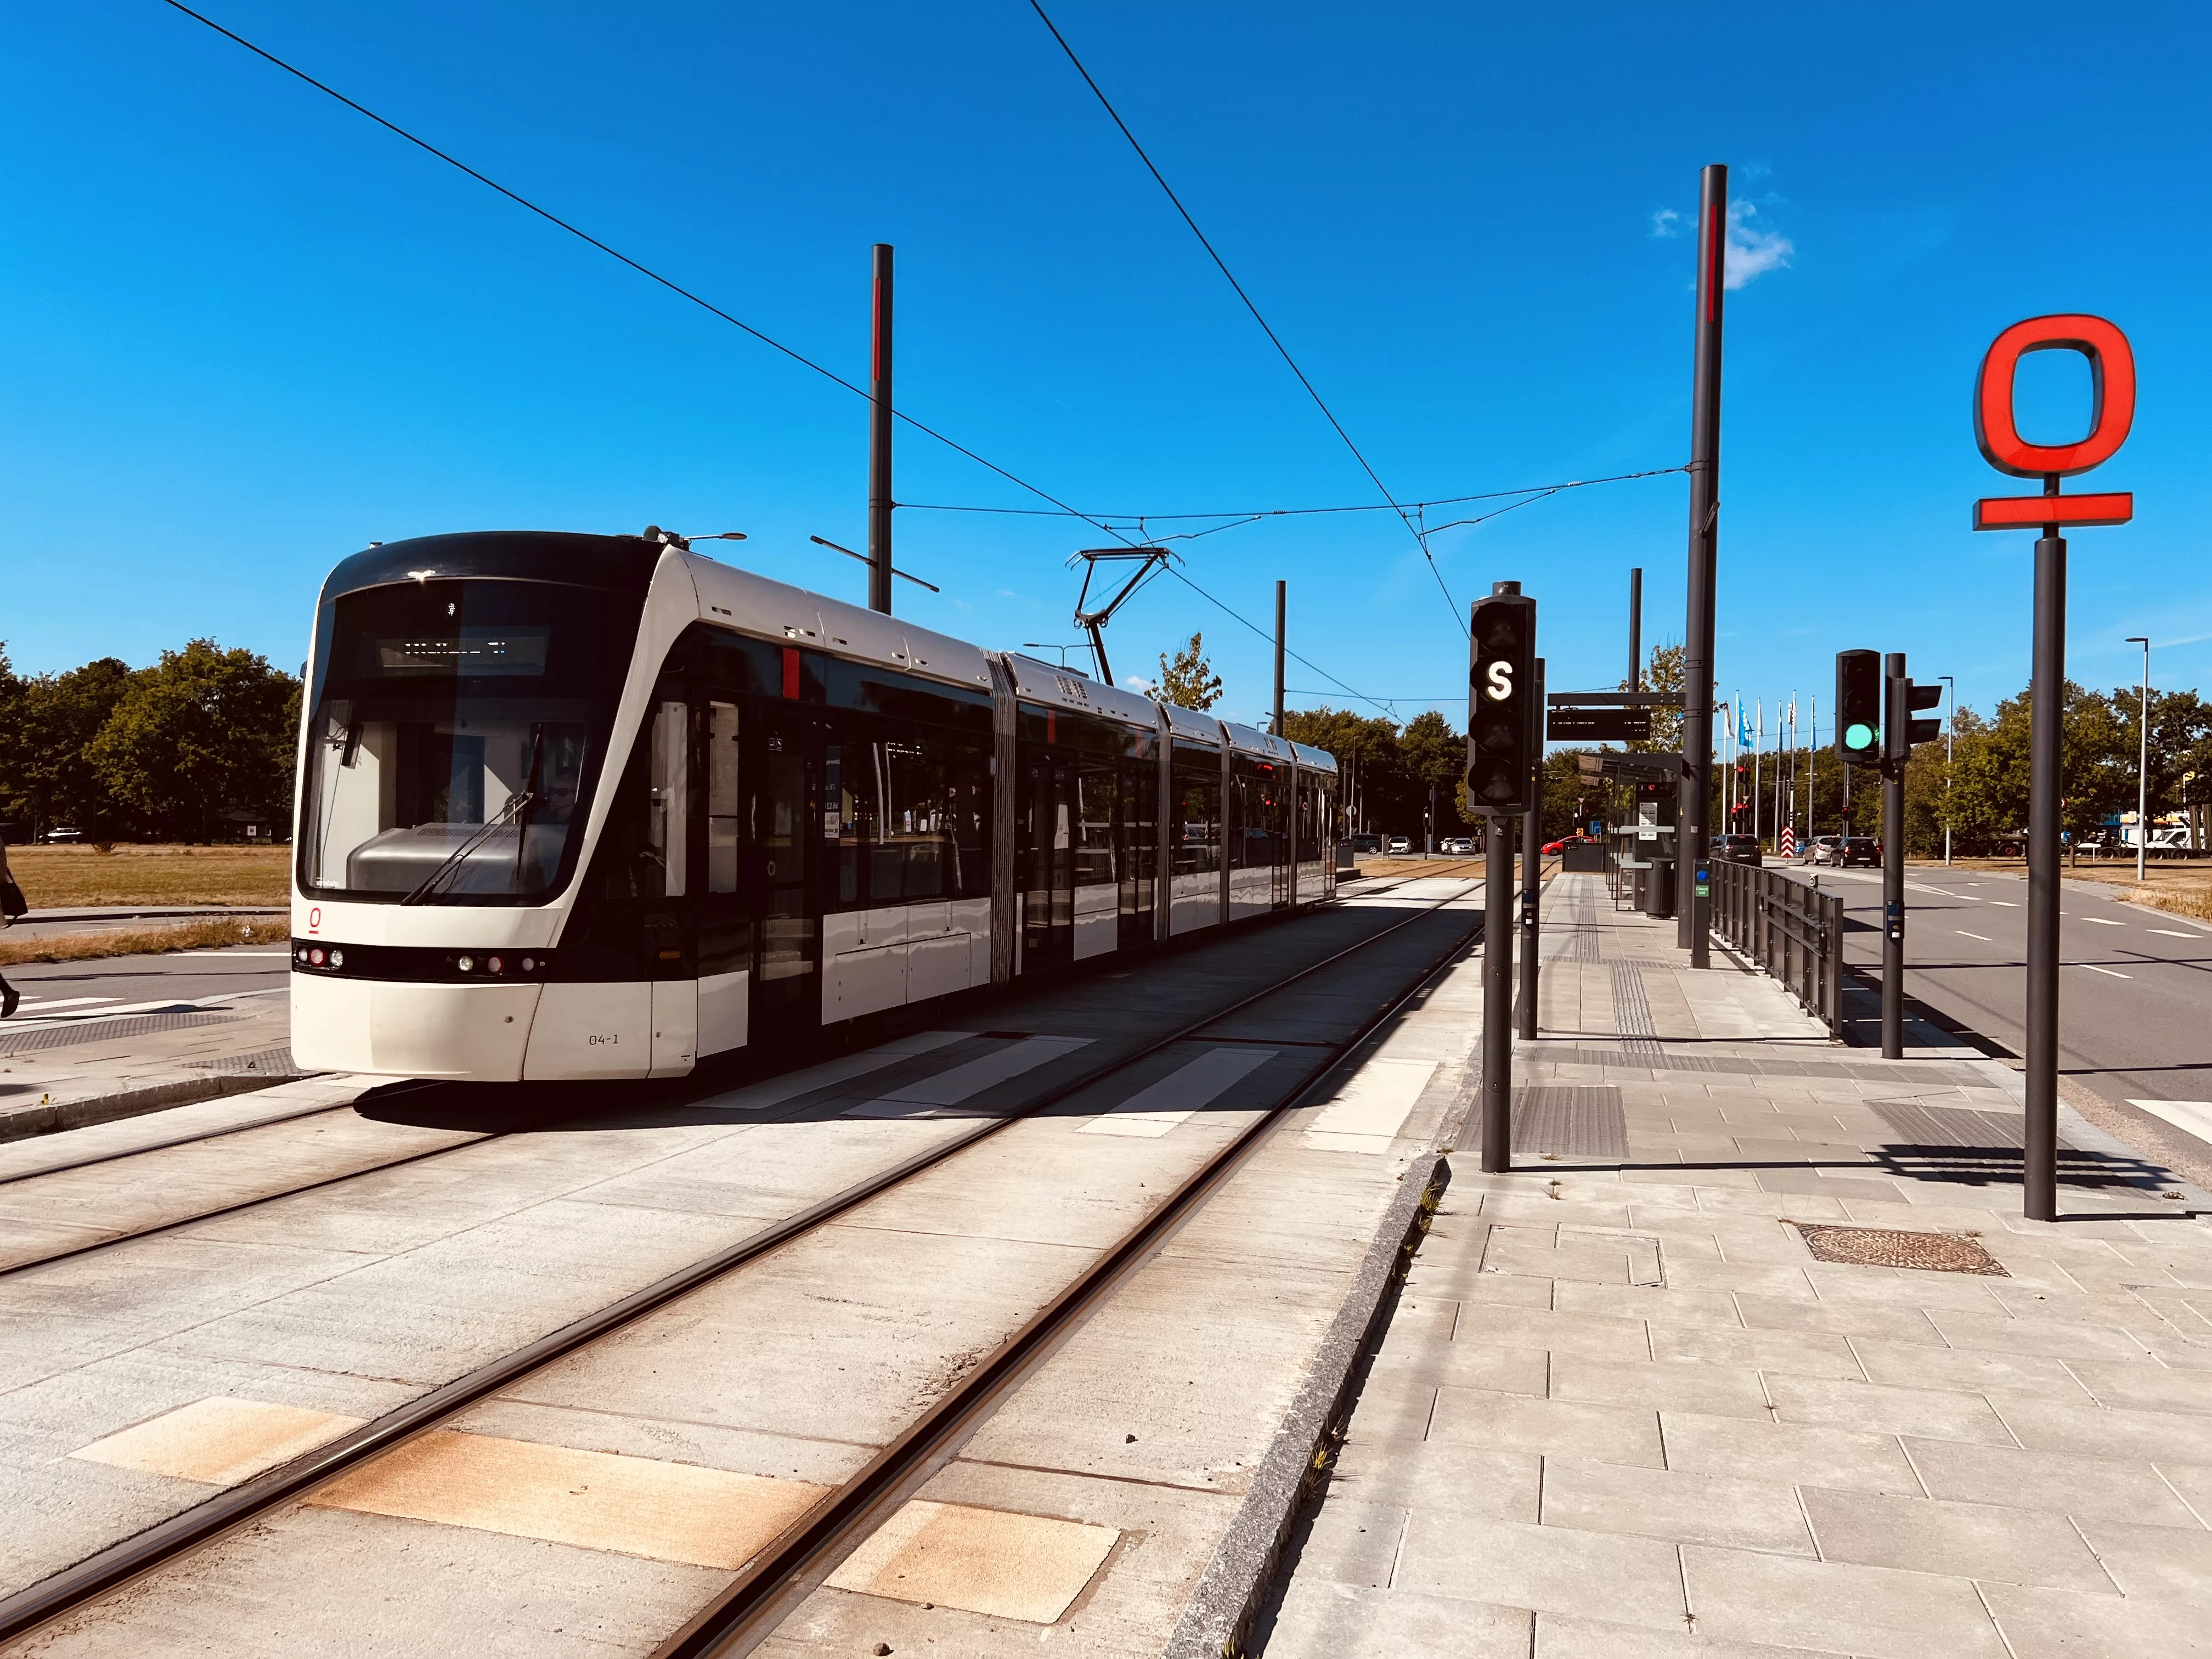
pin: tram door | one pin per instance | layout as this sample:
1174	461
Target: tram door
1046	862
783	789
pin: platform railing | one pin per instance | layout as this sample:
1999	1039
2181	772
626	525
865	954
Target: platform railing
1794	931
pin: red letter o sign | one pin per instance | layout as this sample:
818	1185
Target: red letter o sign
2112	379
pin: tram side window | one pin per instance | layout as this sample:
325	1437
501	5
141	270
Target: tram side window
1098	816
666	817
1197	808
905	813
723	810
1141	806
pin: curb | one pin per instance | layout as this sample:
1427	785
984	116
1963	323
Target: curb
1218	1617
26	1122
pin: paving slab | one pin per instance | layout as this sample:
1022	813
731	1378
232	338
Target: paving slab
1757	1453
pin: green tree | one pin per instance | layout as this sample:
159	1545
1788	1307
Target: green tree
1189	681
1436	768
45	726
203	732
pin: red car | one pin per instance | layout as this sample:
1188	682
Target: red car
1566	842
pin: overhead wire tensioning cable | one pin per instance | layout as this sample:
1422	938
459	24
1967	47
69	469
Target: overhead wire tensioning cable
644	271
1419	541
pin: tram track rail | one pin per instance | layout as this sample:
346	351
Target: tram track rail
93	1247
788	1560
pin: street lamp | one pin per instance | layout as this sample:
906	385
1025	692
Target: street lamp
1950	731
2143	764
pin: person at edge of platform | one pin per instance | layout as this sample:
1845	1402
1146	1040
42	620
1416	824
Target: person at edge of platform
11	906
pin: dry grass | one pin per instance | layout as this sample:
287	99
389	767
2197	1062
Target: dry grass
143	941
64	877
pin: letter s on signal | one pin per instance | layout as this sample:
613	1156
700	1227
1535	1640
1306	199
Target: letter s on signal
1500	676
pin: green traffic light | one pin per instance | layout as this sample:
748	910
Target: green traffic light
1858	735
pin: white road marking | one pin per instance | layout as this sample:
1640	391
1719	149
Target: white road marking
2102	922
65	1002
2007	904
1984	937
2169	932
2109	972
1368	1111
925	1094
2190	1116
1159	1107
759	1096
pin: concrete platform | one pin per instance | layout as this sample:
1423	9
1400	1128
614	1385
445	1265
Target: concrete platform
1623	1409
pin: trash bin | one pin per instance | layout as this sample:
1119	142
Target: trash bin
1659	888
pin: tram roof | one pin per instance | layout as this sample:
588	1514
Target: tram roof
622	564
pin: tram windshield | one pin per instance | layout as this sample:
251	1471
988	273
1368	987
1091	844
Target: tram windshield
456	733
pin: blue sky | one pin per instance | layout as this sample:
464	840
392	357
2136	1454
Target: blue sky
247	331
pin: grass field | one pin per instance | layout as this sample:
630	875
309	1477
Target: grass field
145	941
64	877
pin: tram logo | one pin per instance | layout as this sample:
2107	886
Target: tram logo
2112	411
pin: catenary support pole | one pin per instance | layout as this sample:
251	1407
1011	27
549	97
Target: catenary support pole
2045	749
1692	849
1497	993
1635	628
879	440
1532	863
1896	722
1282	604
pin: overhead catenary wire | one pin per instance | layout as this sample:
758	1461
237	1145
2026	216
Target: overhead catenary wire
1058	507
1419	540
1303	512
1308	661
617	254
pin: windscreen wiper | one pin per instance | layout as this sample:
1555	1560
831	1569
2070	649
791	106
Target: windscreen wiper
515	804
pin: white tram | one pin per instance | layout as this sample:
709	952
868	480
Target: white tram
599	807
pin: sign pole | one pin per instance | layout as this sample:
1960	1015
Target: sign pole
2112	378
1498	992
2045	780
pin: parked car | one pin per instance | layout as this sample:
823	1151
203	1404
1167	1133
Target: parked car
1861	849
62	832
1566	842
1823	850
1401	843
1738	849
1364	843
1451	844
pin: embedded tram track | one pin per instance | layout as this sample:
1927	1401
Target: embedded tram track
787	1565
115	1241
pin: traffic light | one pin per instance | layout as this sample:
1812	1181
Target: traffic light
1501	713
1858	706
1904	730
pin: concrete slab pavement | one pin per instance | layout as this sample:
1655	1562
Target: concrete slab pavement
1623	1410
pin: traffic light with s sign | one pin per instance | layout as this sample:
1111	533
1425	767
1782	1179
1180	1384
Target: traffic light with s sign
1502	719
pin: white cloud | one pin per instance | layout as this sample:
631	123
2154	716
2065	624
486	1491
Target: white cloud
1752	253
1138	683
1666	223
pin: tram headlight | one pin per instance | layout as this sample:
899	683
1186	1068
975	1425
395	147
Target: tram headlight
338	958
316	957
529	965
466	964
495	964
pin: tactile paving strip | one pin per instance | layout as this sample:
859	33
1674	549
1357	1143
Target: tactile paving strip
1573	1120
103	1030
1633	1010
1919	1125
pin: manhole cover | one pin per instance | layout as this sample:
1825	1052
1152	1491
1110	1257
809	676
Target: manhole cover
1888	1247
